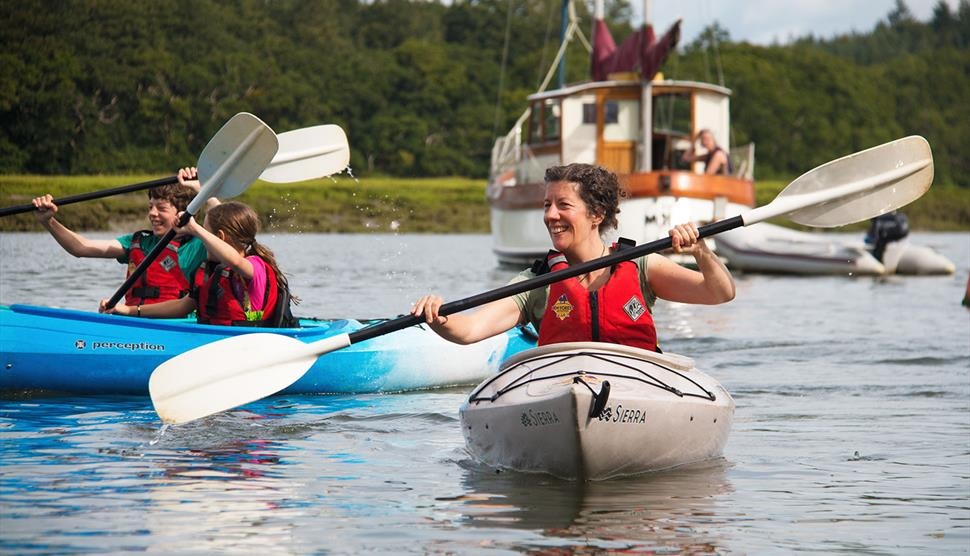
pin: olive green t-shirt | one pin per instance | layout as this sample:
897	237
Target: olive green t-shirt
532	304
191	252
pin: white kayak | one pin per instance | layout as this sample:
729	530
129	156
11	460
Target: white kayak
592	411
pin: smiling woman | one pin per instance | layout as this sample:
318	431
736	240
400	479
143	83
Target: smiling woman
580	207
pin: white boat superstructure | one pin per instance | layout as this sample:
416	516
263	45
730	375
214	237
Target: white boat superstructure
592	411
601	123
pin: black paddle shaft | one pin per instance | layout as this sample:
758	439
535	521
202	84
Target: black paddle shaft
149	259
540	281
93	195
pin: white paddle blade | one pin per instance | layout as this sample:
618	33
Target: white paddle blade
308	153
234	158
231	372
861	185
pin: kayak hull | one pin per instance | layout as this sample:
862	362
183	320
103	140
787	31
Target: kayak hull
63	350
540	413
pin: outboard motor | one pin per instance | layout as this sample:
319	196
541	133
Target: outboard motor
886	228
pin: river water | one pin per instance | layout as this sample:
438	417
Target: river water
852	430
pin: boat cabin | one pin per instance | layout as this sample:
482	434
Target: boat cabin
601	123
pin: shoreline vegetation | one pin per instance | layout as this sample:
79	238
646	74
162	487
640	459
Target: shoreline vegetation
344	204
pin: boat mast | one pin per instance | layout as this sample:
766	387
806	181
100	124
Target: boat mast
646	109
563	27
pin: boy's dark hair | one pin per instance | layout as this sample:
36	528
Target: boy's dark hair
177	194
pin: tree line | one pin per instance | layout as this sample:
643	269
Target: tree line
423	88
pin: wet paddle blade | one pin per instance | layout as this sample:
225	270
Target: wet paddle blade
231	372
234	158
312	152
862	185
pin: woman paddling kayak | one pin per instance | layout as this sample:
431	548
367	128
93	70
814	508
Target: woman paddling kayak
612	304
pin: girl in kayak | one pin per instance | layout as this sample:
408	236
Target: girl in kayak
169	276
612	304
239	285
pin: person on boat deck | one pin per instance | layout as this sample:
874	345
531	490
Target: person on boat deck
239	285
612	304
168	277
715	159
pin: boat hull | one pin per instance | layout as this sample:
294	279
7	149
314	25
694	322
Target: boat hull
905	258
539	413
63	350
767	248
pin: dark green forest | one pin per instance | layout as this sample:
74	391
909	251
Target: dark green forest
423	88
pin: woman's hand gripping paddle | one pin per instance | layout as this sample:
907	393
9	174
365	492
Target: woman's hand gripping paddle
245	368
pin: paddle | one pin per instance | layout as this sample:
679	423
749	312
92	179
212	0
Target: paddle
233	159
311	152
241	369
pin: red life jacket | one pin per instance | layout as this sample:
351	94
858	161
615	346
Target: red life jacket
217	302
162	281
615	313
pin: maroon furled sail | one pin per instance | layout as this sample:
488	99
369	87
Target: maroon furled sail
640	51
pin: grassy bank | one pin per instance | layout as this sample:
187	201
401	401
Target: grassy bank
346	205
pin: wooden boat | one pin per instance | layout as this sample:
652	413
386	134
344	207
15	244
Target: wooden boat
592	411
43	348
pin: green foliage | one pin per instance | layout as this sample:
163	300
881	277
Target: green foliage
336	205
422	88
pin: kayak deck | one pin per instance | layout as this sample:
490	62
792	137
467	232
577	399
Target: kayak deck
593	411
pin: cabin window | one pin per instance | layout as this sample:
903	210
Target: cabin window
611	112
671	130
589	113
621	120
671	114
551	114
535	123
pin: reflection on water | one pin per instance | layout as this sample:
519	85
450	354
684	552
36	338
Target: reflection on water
665	511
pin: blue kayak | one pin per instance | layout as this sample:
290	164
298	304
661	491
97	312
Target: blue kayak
43	348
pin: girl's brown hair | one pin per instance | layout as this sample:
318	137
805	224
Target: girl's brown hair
240	224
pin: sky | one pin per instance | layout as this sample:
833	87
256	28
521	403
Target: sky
767	22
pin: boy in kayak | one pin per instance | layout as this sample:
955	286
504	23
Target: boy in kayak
612	304
168	276
239	285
